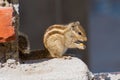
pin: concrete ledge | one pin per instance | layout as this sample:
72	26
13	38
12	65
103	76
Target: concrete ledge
46	69
107	76
52	69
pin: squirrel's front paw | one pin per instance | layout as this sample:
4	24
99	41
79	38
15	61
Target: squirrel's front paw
81	46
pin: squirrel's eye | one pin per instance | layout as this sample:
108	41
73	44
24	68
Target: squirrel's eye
79	33
73	26
3	4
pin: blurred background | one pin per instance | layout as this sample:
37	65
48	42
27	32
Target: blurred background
100	18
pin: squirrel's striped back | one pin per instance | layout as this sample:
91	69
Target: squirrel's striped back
58	38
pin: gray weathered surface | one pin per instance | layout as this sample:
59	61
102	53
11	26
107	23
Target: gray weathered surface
51	69
107	76
46	69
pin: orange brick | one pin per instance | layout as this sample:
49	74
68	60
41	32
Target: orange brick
6	29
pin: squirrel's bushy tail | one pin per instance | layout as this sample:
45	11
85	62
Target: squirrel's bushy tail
35	55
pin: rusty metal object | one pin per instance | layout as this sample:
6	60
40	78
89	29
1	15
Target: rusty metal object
9	48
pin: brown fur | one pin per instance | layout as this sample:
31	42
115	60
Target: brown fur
58	38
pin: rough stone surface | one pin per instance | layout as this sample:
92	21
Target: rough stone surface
46	69
107	76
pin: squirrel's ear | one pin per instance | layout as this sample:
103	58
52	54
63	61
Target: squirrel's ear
71	25
9	1
77	22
